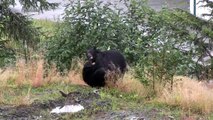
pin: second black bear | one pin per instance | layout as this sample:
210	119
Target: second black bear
99	62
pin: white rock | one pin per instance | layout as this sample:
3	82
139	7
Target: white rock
68	109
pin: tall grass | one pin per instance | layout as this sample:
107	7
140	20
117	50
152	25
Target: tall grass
16	82
190	95
33	74
37	81
187	93
127	83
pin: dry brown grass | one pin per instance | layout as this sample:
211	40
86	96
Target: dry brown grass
38	80
112	77
33	73
187	93
20	65
75	78
190	95
127	83
6	75
29	73
75	75
10	79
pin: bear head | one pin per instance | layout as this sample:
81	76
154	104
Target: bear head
91	55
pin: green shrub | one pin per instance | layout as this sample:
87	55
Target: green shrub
153	42
86	25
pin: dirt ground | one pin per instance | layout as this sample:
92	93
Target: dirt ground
95	108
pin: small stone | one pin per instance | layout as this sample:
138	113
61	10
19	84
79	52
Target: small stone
171	117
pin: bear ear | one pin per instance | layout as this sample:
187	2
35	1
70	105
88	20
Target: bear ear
94	48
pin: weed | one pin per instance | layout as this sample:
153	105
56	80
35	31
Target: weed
190	95
37	81
21	72
28	82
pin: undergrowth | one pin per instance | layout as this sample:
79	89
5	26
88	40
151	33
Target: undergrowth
26	83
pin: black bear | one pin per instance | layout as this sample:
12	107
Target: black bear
99	62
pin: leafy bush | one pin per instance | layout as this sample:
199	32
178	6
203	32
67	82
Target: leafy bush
158	45
85	25
171	37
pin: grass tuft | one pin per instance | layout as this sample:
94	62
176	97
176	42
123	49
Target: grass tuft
190	95
127	83
38	80
25	82
21	67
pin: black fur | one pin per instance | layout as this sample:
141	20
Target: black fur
99	63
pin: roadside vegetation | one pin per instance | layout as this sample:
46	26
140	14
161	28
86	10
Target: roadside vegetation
24	84
164	51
